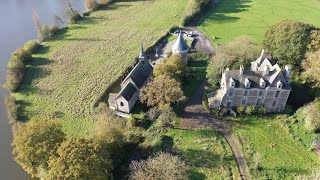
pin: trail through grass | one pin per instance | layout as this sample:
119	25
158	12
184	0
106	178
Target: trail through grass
206	152
252	17
282	155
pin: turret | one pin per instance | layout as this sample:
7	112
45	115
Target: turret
142	54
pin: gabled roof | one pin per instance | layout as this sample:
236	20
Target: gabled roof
254	77
140	73
128	91
179	44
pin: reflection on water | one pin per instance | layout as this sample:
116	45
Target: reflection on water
16	27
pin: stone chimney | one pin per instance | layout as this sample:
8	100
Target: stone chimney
287	72
279	85
241	69
266	71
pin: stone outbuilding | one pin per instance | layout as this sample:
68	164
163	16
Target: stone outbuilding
131	86
264	85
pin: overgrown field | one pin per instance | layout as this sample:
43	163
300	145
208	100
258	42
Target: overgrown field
252	17
275	148
206	152
72	70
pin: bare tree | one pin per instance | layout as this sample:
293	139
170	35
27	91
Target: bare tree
36	21
69	4
58	22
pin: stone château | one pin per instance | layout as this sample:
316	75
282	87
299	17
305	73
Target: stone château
264	85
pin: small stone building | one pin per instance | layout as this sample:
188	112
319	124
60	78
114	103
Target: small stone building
265	84
131	86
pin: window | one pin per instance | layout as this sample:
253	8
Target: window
274	103
277	94
243	102
258	102
260	93
230	92
229	104
121	104
246	93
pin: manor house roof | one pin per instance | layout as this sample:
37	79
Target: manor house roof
140	73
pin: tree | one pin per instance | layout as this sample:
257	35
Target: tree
162	167
238	52
90	5
166	120
311	66
174	67
34	143
288	40
80	159
162	91
311	114
36	21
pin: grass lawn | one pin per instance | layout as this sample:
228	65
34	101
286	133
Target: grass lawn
206	152
71	71
252	17
283	155
197	74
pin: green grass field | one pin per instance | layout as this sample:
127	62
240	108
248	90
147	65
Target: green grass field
283	154
206	152
70	71
233	18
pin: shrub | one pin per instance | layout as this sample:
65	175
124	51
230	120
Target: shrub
104	1
194	8
90	5
153	113
53	30
10	102
16	64
249	110
13	80
31	46
132	122
198	56
22	54
166	120
241	109
162	166
311	114
44	33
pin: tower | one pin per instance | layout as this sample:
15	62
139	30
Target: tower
180	47
142	54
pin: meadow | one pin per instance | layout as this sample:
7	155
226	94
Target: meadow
232	18
70	71
206	152
275	147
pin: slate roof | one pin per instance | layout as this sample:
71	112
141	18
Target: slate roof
254	77
180	44
128	91
140	73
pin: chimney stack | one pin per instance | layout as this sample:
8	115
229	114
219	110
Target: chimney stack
266	71
287	70
241	69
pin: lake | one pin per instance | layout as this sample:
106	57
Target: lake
16	27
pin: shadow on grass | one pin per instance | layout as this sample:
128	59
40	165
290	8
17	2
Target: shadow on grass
220	13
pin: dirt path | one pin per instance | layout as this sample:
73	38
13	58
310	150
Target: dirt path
195	117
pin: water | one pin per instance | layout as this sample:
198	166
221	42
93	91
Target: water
16	27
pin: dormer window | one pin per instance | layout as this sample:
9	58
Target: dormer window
262	83
247	83
279	85
232	83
